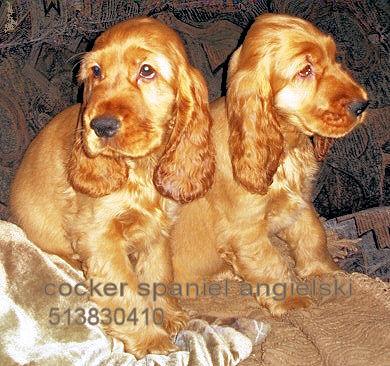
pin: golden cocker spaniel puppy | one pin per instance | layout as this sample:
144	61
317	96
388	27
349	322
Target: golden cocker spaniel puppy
86	188
284	85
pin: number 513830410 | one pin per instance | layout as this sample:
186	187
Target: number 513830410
105	316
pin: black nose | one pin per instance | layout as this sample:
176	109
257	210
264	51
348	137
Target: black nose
105	126
358	107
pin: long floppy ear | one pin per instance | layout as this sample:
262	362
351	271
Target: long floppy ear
186	169
94	176
255	140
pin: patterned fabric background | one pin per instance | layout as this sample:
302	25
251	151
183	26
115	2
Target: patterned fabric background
41	42
369	229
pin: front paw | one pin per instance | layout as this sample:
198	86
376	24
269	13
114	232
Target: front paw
175	321
318	269
173	318
150	340
280	307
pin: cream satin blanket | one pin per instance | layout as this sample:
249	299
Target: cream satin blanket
28	338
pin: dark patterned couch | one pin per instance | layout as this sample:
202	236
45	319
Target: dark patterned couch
41	42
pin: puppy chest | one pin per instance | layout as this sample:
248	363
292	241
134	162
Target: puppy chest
140	224
295	176
123	218
290	193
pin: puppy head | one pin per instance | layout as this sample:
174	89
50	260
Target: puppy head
285	67
141	96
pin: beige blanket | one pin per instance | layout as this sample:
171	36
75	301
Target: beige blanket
34	326
351	327
342	331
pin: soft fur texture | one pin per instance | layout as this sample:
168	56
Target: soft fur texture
94	199
284	85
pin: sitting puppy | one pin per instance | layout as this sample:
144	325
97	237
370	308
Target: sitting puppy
86	187
284	85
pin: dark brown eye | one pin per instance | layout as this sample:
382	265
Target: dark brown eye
147	72
306	71
97	72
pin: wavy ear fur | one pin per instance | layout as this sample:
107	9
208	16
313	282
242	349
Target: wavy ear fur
255	141
186	169
94	176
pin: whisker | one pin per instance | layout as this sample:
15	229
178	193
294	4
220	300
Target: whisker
75	56
77	59
76	64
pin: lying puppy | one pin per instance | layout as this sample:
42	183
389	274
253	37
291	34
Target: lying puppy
86	187
284	85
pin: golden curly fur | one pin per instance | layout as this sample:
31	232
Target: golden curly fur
88	192
284	85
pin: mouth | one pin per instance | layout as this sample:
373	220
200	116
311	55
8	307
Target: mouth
93	145
102	146
110	147
321	144
326	127
324	138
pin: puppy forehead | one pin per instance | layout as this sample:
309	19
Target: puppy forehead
308	51
133	55
157	57
315	51
146	32
318	44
